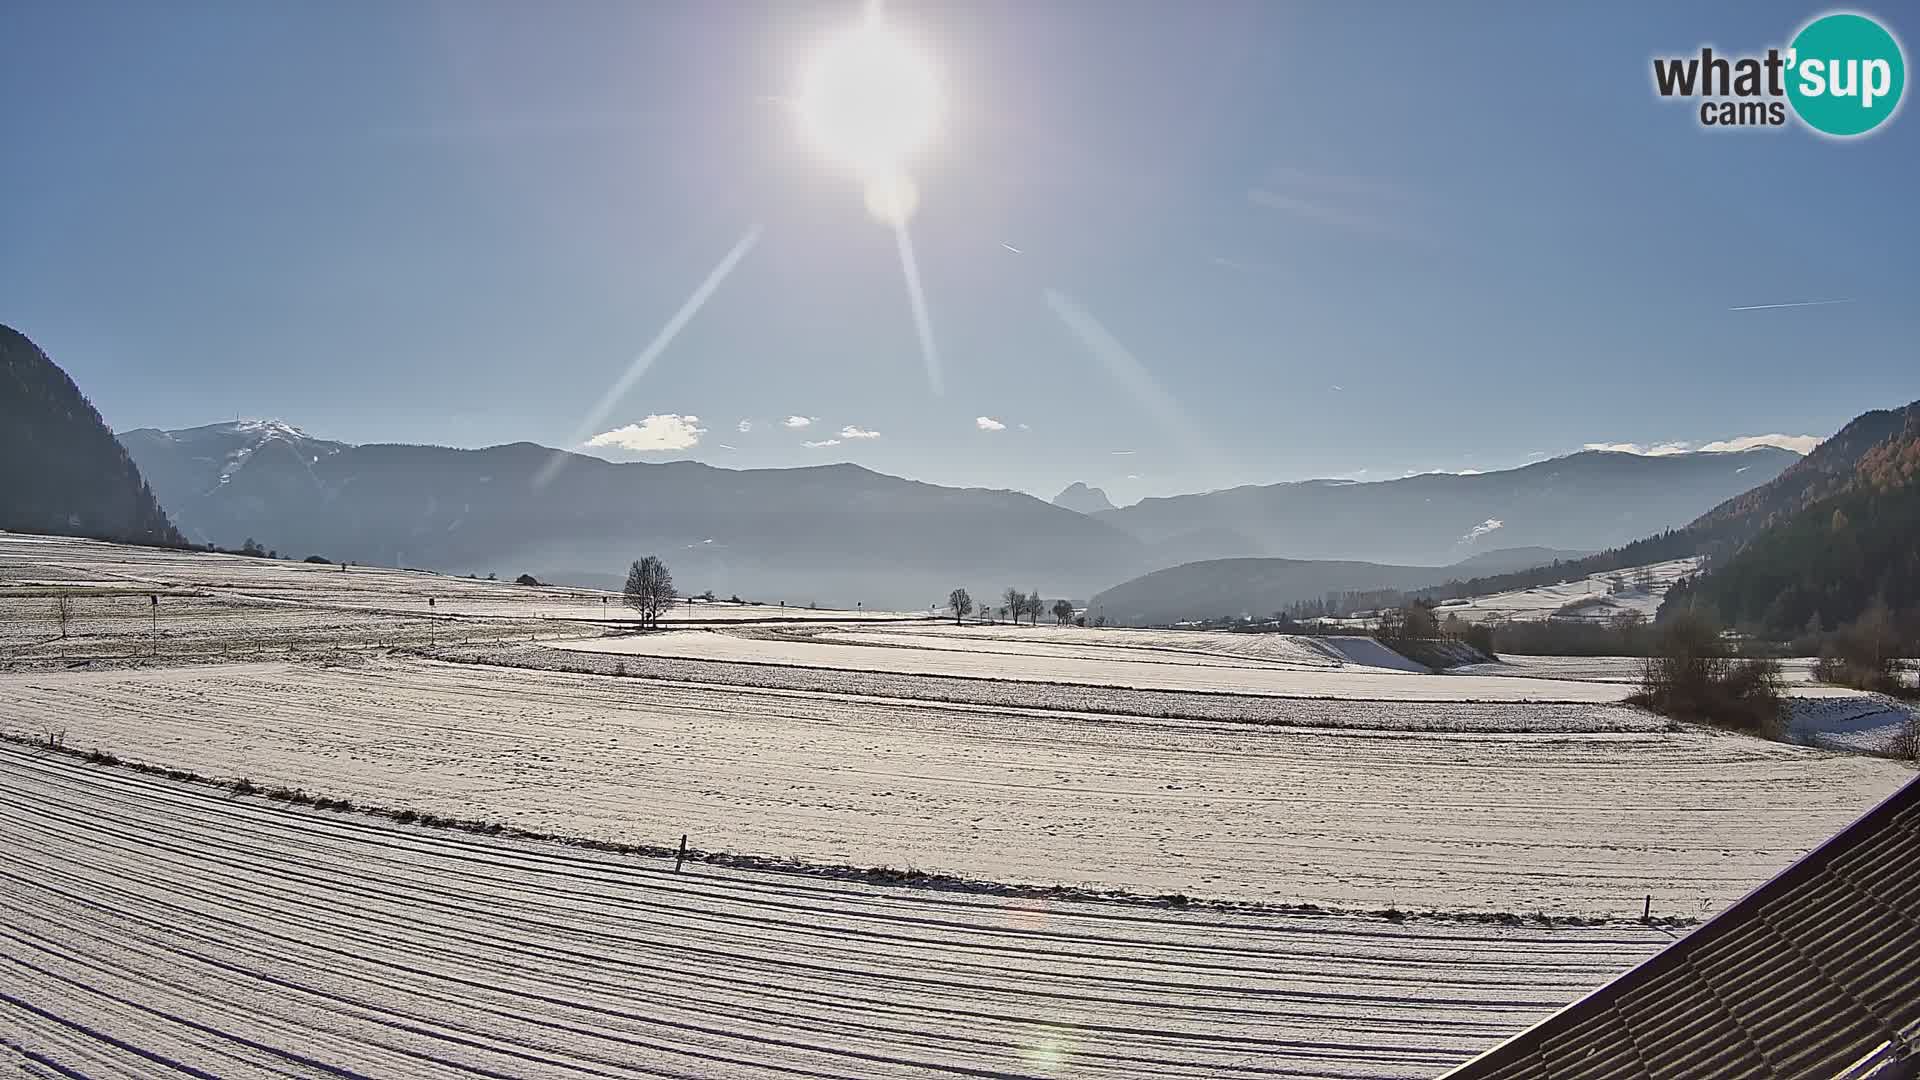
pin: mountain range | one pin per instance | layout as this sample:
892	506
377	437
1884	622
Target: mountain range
1815	544
842	534
1589	501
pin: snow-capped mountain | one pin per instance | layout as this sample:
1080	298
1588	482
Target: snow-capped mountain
188	467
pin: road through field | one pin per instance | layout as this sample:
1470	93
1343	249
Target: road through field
150	928
1564	822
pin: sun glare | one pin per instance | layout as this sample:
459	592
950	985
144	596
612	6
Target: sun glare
870	100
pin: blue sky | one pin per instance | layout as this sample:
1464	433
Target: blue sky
1328	240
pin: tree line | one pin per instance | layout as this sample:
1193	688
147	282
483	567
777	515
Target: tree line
1015	605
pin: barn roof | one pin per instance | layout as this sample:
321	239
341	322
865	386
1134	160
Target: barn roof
1814	974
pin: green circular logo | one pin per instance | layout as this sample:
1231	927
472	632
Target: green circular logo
1845	74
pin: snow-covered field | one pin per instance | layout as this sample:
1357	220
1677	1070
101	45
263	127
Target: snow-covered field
151	928
1089	664
1595	594
1563	822
31	563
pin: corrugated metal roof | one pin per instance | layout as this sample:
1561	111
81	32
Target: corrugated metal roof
1814	974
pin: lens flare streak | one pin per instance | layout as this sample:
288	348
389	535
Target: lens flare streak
921	322
596	415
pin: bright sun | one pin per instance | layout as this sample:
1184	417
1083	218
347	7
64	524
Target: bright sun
870	101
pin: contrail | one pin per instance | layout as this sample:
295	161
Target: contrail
1794	303
651	353
919	301
1011	248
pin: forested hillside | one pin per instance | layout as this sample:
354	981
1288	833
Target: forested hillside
1832	559
64	472
1721	533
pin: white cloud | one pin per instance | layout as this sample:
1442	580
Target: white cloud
820	443
988	423
743	426
1133	476
1024	427
1483	529
724	446
1120	453
852	432
797	421
661	431
1799	444
1644	450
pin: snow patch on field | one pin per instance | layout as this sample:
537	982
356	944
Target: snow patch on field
1367	652
1868	723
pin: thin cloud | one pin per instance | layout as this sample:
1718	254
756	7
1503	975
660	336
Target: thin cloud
1338	389
1293	177
1312	211
661	431
852	432
743	426
988	423
1011	248
1792	303
797	421
1120	453
724	446
1024	427
815	445
1350	202
1133	476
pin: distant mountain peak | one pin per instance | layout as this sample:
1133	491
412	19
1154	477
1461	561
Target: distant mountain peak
1082	499
269	429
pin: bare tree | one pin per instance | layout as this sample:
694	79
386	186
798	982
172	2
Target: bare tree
63	612
1015	603
960	604
649	590
1035	606
1062	611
